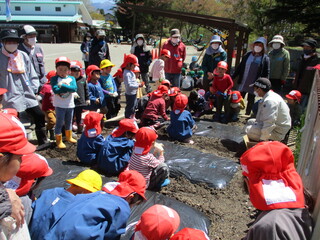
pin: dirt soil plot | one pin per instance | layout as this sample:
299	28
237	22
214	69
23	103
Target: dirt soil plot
229	209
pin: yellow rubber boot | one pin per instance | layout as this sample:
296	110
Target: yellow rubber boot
69	137
59	142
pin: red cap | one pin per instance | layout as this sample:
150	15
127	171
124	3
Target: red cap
50	75
162	89
144	140
75	64
190	234
63	59
295	95
180	103
32	166
118	73
10	111
93	124
125	125
130	181
223	64
165	52
13	138
273	180
174	91
235	97
3	91
89	71
158	222
166	83
130	59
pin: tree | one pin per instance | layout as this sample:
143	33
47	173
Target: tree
96	16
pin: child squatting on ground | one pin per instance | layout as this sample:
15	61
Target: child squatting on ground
293	100
53	202
64	88
91	139
154	170
182	123
117	148
222	85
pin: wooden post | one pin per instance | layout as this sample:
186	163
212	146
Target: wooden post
230	46
239	47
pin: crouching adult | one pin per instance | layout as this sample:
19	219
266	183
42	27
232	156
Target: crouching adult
273	119
276	189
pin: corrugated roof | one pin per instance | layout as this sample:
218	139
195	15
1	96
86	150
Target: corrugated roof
23	18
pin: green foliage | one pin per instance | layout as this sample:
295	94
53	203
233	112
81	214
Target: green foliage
296	152
96	16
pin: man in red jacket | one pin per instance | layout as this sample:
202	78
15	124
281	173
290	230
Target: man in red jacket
174	64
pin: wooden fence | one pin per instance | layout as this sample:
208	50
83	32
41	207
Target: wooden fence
309	158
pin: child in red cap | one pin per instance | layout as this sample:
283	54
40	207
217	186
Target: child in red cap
236	105
64	87
154	170
158	222
276	189
47	104
182	123
117	148
131	84
156	107
13	144
190	234
118	79
91	139
294	99
222	85
157	70
82	100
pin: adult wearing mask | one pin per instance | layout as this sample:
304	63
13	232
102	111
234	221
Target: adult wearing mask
214	54
18	76
279	63
254	64
139	48
273	119
305	72
35	52
173	65
85	49
99	48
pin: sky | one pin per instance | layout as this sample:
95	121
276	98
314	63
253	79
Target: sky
103	4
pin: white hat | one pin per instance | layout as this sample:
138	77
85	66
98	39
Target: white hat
277	39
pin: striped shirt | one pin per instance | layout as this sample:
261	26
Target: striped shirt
144	164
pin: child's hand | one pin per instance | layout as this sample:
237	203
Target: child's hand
88	102
158	148
97	101
60	84
76	95
210	75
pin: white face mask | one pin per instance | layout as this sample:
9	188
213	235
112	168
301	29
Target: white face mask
276	45
215	46
175	40
255	93
257	49
32	41
12	47
88	38
140	42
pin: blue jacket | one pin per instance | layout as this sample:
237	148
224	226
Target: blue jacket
96	216
88	148
115	154
181	125
95	91
47	209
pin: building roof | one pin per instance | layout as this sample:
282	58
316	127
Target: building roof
23	18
